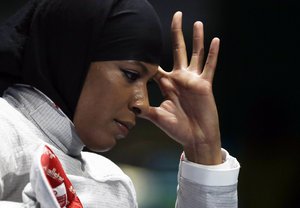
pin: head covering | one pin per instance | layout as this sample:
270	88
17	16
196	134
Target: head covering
50	44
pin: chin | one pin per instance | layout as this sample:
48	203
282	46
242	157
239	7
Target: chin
96	143
103	147
100	150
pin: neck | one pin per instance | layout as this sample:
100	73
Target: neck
43	113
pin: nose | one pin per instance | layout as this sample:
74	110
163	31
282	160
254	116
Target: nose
139	103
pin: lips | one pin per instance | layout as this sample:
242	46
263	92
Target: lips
123	128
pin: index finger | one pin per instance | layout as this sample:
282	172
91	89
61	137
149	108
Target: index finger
179	49
159	74
161	78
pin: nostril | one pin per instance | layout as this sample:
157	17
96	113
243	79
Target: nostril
136	110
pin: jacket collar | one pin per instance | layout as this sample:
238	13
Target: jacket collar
49	118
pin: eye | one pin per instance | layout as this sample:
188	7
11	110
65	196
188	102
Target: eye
130	75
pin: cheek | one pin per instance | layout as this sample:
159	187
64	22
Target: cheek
96	112
89	120
94	121
95	133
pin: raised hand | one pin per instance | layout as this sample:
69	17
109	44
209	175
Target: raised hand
189	114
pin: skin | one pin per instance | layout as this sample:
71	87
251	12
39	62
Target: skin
188	114
114	93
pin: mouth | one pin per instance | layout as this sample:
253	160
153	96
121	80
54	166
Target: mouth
123	128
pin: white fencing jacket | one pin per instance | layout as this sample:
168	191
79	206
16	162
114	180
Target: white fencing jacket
29	120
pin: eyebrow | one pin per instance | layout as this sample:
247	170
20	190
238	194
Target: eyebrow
144	68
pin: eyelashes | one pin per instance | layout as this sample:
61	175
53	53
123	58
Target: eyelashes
130	75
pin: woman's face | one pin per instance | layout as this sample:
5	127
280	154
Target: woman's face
113	94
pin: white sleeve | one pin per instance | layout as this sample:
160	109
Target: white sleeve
208	185
211	175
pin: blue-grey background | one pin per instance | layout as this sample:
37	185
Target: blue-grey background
257	93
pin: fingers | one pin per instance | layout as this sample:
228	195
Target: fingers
162	79
159	74
211	61
179	49
197	58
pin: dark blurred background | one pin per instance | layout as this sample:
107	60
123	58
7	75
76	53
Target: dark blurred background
257	94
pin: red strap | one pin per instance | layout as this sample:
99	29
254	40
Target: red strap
58	180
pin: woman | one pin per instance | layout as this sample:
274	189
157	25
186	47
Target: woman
76	74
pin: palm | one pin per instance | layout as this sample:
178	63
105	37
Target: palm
189	111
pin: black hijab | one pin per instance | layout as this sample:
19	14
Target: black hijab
49	44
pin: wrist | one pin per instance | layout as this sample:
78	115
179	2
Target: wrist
205	154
